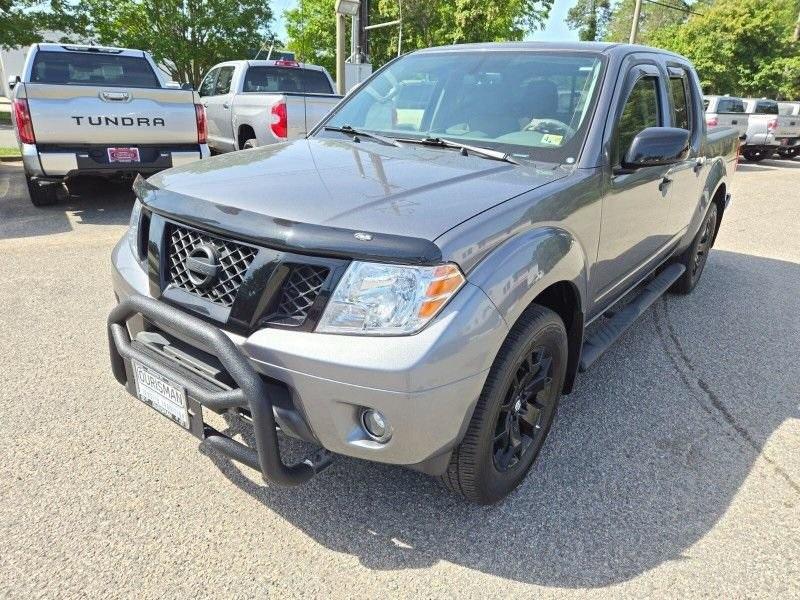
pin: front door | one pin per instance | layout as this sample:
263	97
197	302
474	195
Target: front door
218	111
635	218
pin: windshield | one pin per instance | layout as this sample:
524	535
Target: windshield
532	105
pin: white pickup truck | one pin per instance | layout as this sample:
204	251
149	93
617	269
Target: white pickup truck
253	103
100	111
783	129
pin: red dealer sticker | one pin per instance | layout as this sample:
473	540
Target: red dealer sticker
123	155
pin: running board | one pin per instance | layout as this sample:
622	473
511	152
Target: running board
610	331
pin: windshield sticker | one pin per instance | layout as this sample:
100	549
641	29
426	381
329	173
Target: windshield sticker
552	139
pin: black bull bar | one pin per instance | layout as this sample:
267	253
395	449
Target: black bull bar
251	392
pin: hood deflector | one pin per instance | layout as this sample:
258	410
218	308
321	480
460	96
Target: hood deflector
282	234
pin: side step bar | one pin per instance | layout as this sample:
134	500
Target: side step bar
610	331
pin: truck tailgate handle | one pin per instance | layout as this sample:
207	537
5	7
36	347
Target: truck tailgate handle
734	122
115	96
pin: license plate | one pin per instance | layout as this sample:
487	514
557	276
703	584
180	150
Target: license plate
123	155
162	394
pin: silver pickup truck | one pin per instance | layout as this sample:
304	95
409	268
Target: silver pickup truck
100	111
260	102
779	131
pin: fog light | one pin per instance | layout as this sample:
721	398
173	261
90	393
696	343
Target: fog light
375	425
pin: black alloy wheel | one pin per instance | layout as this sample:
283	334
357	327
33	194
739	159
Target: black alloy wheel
528	404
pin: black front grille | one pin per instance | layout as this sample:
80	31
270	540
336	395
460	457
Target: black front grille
300	291
234	260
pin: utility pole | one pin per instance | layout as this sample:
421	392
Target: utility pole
796	36
635	24
363	33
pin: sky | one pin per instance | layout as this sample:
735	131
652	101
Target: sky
555	29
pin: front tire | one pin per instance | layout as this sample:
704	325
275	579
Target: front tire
514	412
694	258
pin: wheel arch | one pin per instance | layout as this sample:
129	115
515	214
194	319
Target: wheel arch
545	266
244	133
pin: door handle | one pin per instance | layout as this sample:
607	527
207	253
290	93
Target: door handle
226	105
665	181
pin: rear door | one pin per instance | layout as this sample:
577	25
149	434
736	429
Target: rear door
635	219
687	175
86	98
218	109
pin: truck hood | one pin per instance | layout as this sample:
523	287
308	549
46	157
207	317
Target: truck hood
314	195
364	186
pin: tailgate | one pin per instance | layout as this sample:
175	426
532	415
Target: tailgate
788	126
71	114
736	120
317	106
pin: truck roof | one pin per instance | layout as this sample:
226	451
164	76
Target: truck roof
270	63
596	47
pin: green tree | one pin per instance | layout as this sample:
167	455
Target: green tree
312	26
653	18
22	21
590	18
187	37
741	47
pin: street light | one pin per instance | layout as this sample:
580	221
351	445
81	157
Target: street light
344	8
348	8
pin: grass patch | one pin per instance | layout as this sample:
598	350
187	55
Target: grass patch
5	117
6	151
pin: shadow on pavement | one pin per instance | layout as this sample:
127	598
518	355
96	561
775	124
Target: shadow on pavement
644	458
91	201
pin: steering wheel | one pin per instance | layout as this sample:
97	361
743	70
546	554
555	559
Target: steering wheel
550	126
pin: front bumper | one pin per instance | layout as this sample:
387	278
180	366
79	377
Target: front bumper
53	161
426	385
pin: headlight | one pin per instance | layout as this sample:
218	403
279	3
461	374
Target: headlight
133	228
377	299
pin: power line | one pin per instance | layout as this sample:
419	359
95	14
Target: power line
685	9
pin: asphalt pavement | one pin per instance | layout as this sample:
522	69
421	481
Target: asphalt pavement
673	470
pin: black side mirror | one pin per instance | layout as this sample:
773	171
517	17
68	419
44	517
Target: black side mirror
187	86
657	146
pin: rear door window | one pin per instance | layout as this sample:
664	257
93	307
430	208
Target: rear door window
277	80
93	68
680	102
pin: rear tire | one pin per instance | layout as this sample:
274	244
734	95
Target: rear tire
514	412
694	258
754	155
43	195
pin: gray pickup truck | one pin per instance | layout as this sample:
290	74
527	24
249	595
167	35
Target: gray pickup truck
415	285
91	110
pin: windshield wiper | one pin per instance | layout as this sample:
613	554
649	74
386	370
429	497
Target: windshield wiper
348	129
466	149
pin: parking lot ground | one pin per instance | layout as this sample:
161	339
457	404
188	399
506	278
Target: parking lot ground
673	470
